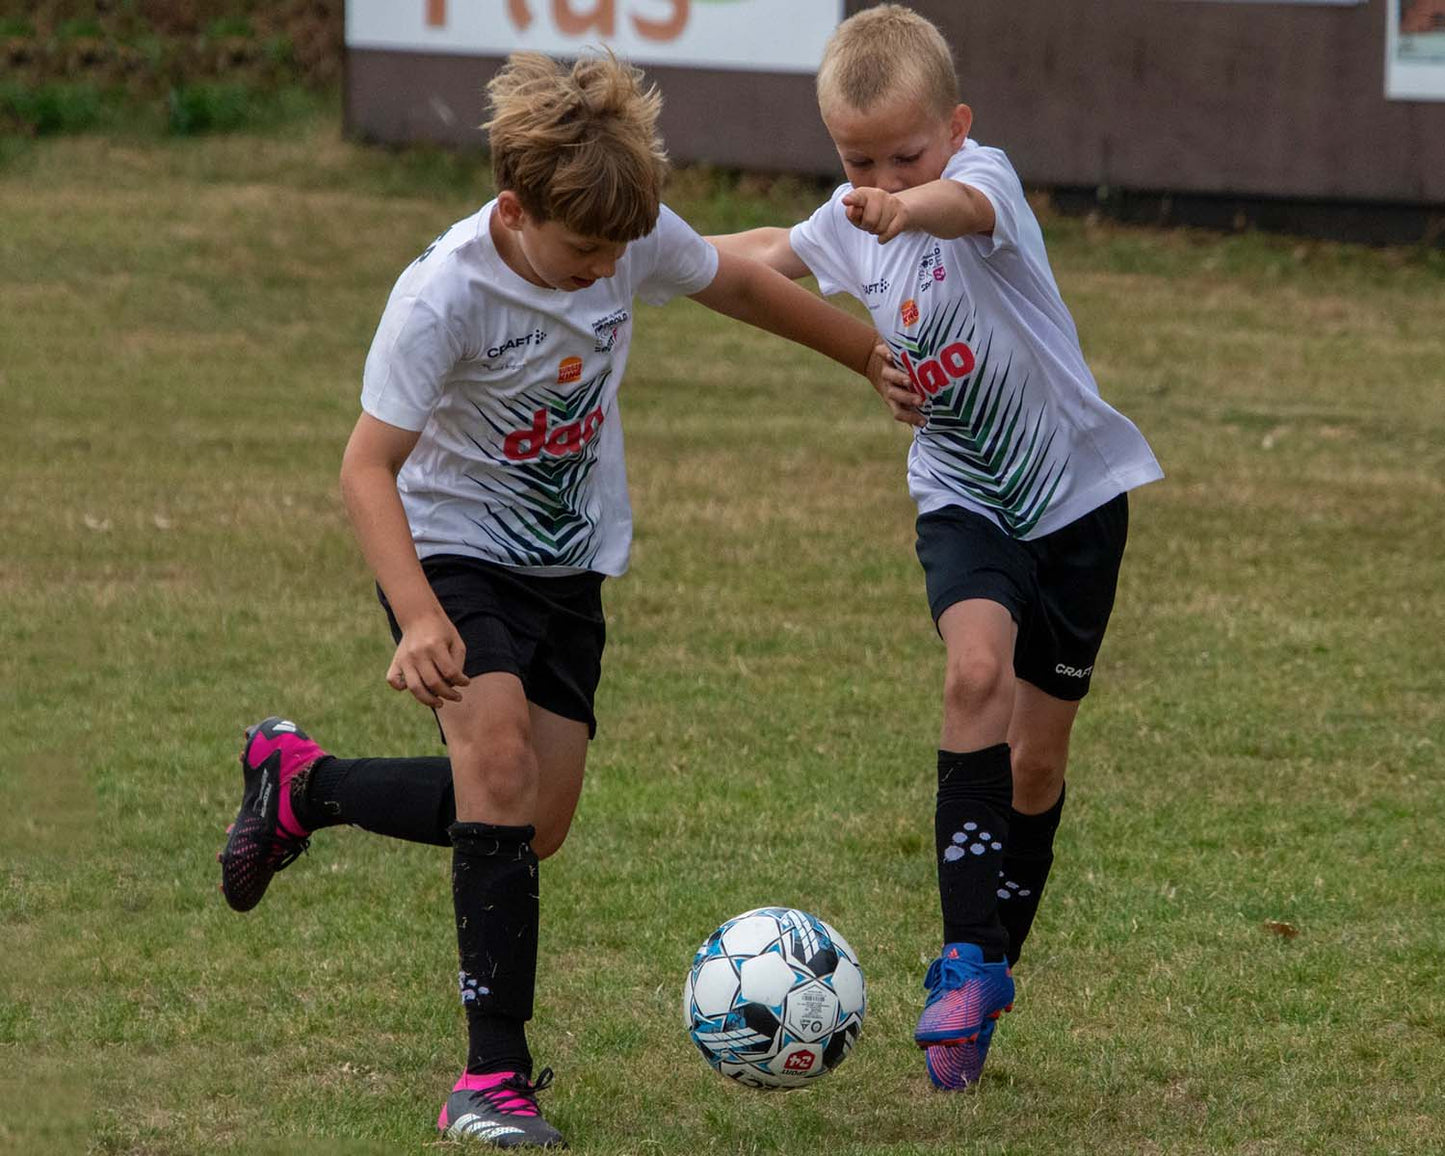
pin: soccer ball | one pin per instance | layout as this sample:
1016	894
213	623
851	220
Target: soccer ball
774	998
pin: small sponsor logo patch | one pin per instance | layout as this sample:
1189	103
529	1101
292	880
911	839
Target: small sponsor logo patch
605	330
569	369
909	313
931	269
799	1062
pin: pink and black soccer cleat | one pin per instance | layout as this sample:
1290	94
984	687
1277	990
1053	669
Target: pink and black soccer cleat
266	837
954	1067
964	993
499	1109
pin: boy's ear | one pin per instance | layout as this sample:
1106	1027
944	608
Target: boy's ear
509	209
958	125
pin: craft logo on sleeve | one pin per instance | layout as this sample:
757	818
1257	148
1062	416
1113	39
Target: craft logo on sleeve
569	369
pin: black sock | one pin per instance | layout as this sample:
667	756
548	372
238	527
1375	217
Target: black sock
409	799
494	889
1026	863
970	833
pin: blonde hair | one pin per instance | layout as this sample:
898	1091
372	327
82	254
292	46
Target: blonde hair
578	144
883	52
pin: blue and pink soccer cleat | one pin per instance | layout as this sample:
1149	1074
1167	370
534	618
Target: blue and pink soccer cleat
499	1109
954	1067
266	837
964	994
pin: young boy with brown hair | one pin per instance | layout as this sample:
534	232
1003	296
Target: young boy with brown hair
1019	470
485	483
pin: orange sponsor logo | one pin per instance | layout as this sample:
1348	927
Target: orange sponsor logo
909	312
569	369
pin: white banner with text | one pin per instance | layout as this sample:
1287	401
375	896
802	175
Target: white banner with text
756	35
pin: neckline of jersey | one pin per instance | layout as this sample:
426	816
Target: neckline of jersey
544	294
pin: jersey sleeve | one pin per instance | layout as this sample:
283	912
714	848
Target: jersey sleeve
411	357
681	262
988	170
820	244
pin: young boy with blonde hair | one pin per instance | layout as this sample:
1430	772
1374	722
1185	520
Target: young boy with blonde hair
485	482
1018	467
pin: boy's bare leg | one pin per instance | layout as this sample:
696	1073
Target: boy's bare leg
561	749
494	873
978	684
489	739
969	985
1038	736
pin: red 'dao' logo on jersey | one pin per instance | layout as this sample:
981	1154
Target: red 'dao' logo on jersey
569	369
557	441
909	312
954	363
799	1062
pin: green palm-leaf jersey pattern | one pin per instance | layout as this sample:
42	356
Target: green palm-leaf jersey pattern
542	514
981	435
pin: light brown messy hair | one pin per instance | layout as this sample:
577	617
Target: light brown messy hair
884	52
578	143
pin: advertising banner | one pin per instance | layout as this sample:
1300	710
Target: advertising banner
756	35
1415	50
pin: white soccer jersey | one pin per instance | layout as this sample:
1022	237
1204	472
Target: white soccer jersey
1016	428
514	389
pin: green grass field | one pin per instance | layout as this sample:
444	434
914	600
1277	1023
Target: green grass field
182	328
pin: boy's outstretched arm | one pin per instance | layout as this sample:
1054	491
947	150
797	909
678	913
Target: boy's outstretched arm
773	247
749	291
944	209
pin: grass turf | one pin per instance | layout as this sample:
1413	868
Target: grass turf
1241	947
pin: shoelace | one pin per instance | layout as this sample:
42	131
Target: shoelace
516	1096
951	973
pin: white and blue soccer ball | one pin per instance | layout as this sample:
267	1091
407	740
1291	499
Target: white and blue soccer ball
774	998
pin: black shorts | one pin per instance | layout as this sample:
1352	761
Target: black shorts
1058	588
548	631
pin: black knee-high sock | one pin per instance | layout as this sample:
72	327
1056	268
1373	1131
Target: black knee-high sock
970	833
409	799
494	890
1026	862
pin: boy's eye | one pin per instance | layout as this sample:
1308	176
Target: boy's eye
908	160
863	164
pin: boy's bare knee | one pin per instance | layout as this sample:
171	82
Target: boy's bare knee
977	683
1038	773
496	769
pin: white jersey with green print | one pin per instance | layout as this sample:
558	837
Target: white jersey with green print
513	388
1016	427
